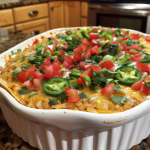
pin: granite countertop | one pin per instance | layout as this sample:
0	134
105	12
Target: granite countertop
8	140
29	2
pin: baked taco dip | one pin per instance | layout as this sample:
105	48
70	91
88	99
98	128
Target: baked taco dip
93	69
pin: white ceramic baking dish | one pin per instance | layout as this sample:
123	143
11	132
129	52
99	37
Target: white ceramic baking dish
74	130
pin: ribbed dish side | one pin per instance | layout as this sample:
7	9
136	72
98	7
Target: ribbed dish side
50	138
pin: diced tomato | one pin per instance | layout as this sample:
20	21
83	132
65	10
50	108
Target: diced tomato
73	96
134	46
147	38
28	84
86	55
95	68
66	46
103	29
106	64
120	54
112	30
120	38
140	48
37	83
49	72
103	39
136	85
124	33
82	64
49	49
47	61
86	42
78	50
42	66
83	46
61	53
145	89
126	37
87	72
54	45
57	69
93	36
125	46
68	63
37	74
113	35
22	76
107	90
36	41
66	89
30	74
80	81
95	29
131	53
134	36
142	67
32	68
94	42
136	58
76	57
56	61
94	50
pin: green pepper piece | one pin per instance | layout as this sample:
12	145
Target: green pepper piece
87	80
55	86
47	53
73	82
74	75
69	37
79	35
128	75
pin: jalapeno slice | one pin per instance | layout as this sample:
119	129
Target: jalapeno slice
55	86
128	75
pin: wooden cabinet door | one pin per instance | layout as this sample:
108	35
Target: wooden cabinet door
37	26
72	13
56	12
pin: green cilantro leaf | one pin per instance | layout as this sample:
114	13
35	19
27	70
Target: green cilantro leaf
25	65
30	78
62	73
78	86
63	96
148	85
12	53
112	49
16	71
33	93
42	80
117	88
82	95
24	90
23	59
119	100
53	101
18	51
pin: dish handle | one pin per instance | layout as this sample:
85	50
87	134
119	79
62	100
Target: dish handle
3	98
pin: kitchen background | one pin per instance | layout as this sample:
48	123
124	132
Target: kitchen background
22	19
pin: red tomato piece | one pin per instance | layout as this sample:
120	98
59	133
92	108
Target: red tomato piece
57	69
86	42
66	46
126	37
66	89
124	33
136	58
86	55
147	38
142	67
78	50
136	85
47	61
82	64
42	66
134	36
37	83
103	29
37	74
28	84
30	74
112	30
80	81
93	36
94	50
22	76
145	89
107	90
125	46
87	72
73	96
76	57
32	68
84	47
95	29
140	48
68	63
61	53
120	38
49	49
106	64
56	61
95	68
54	45
36	41
49	72
134	46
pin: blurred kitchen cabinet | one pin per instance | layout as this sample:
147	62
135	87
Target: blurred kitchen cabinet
34	27
56	13
29	13
10	27
84	13
72	13
6	17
